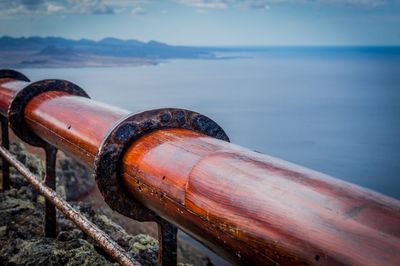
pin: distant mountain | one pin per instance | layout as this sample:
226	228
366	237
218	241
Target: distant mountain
61	52
114	41
104	47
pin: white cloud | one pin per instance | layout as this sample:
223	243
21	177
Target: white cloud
138	11
14	7
95	7
54	8
207	4
255	4
90	7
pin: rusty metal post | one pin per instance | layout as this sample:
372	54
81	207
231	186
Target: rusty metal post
50	219
6	144
168	244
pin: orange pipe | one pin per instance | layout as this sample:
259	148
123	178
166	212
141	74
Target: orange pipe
78	129
259	209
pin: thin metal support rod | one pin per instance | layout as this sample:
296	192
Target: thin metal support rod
167	238
101	238
50	218
6	144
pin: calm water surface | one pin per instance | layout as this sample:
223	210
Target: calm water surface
339	115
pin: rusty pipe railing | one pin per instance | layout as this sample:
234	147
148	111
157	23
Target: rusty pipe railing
174	165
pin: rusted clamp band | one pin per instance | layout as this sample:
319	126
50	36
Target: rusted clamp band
9	73
126	131
21	99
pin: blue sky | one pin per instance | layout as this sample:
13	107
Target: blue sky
209	22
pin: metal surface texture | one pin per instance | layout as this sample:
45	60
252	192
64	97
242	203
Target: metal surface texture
101	238
21	99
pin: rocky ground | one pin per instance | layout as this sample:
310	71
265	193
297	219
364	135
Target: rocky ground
21	221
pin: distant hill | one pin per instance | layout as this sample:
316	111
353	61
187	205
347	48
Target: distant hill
52	51
106	46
